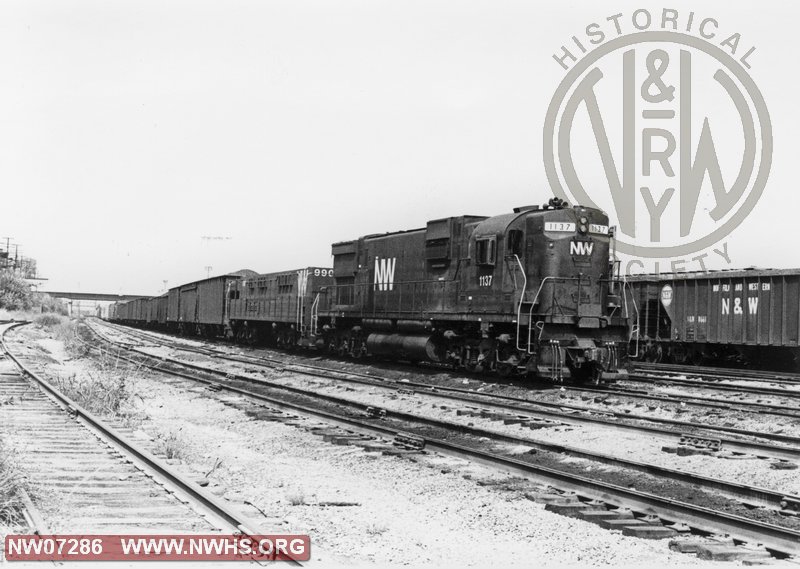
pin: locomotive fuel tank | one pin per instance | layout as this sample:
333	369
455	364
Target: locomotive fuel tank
403	346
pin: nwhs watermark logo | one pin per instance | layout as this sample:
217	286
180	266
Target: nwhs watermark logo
658	122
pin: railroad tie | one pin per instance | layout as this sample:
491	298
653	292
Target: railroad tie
409	441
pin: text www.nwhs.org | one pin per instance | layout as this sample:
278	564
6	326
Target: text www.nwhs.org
157	547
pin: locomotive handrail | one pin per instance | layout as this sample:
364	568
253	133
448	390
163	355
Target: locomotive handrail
315	315
521	300
535	298
625	284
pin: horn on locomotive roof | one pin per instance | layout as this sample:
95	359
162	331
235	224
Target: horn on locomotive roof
556	203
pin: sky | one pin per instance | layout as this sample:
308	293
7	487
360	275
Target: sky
145	144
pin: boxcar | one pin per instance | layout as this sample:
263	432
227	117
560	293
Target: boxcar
120	312
151	309
200	307
173	303
748	315
139	313
277	307
161	310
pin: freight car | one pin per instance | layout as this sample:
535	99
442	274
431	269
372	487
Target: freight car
273	308
198	308
743	317
277	308
530	291
533	291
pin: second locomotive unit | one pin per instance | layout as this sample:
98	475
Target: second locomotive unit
530	291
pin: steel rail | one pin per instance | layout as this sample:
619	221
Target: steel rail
776	538
700	384
778	410
707	402
721	372
523	406
751	494
204	498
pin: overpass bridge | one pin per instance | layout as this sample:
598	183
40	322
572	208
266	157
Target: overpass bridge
93	296
90	303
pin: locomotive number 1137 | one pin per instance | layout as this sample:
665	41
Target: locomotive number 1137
485	280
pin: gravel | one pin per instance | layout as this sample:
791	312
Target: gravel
643	447
422	513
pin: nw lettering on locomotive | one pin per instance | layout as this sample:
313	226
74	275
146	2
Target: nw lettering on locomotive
384	273
583	248
302	282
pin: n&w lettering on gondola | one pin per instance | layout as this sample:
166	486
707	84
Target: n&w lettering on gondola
752	305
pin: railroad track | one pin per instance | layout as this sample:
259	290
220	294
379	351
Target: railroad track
667	378
602	498
779	409
720	373
101	479
782	446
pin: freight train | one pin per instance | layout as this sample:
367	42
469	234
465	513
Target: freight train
748	317
530	292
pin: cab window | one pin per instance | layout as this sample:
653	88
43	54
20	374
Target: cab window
514	242
485	251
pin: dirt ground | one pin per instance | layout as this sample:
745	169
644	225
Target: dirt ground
421	513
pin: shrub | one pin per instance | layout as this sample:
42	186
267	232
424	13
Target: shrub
48	320
47	303
297	499
15	293
109	390
11	484
171	445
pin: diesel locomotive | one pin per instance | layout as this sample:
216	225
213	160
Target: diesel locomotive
529	292
533	291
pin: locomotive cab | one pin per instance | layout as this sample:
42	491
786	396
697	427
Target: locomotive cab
549	267
571	307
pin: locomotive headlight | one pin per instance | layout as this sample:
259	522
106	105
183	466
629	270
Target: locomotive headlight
584	221
582	228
